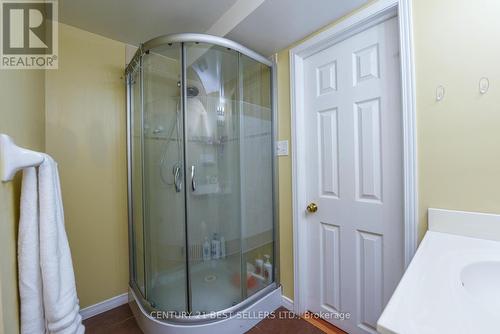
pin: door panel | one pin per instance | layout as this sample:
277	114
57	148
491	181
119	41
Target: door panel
329	163
229	169
367	155
370	278
330	252
164	191
213	177
355	175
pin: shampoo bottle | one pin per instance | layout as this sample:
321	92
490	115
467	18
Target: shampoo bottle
259	265
268	270
222	247
206	250
215	247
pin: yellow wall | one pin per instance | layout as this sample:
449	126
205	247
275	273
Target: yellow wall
459	159
85	133
285	176
456	43
459	138
22	117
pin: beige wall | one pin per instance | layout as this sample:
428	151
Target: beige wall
456	43
85	133
459	159
81	109
285	176
22	117
458	138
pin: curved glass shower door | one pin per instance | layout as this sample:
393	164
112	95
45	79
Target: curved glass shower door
201	177
229	161
213	168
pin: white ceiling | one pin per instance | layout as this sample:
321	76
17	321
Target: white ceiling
265	26
136	21
278	23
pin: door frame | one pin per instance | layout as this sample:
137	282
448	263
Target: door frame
362	19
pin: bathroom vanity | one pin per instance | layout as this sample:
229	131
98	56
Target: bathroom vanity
452	284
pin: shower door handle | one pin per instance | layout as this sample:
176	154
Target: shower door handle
193	182
177	178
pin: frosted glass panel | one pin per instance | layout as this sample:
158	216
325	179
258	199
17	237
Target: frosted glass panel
136	172
164	188
214	202
257	173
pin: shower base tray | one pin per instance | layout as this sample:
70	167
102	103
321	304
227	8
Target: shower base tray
238	322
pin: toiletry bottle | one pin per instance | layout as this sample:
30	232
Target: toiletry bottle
268	270
221	118
259	265
222	247
206	250
215	247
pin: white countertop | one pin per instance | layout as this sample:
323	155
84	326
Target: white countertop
437	295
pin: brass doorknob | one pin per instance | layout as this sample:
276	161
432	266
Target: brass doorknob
312	207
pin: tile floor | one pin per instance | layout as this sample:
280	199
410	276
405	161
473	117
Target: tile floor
116	321
121	321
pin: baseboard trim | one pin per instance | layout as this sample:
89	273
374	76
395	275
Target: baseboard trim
287	303
104	306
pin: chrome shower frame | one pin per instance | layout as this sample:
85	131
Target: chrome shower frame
136	64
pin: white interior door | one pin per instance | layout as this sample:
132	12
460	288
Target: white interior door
353	125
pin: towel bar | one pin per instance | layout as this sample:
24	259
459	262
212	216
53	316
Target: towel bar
14	158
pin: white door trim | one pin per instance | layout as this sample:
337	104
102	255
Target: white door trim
369	16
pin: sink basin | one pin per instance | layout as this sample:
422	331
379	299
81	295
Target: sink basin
481	280
452	284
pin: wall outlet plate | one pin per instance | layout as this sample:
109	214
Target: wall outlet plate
282	148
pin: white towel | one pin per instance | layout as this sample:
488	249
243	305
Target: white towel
60	301
30	276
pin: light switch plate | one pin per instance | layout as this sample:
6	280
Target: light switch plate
282	148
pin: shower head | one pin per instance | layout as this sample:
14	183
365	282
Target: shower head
192	91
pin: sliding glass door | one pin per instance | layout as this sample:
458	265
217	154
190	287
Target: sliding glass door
213	168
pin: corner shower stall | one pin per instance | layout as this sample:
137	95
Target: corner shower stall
202	198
